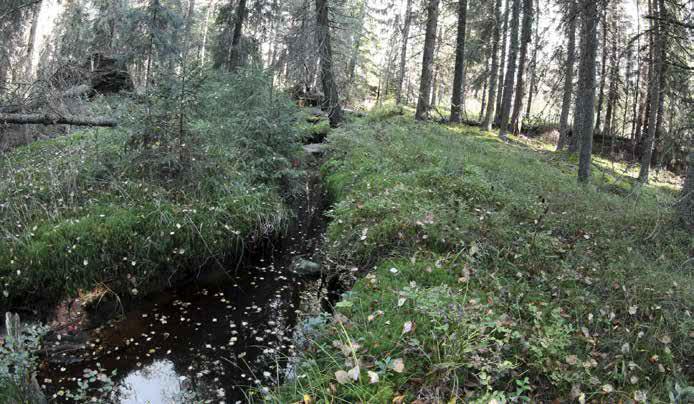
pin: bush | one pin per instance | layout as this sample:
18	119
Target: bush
186	182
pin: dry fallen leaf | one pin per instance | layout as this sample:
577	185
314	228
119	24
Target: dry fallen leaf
342	377
398	365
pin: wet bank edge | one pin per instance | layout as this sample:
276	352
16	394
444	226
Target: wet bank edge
211	337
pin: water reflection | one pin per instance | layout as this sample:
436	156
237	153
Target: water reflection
156	383
207	341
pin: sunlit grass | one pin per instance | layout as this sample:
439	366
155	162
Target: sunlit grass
551	289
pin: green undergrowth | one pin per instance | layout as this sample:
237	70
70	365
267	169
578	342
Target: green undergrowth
91	210
489	273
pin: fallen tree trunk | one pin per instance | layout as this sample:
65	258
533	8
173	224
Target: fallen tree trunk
48	119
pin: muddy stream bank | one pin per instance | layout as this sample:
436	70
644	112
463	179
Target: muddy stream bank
211	338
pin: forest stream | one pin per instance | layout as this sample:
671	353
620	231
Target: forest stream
212	338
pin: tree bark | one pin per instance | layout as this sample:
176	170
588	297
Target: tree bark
403	51
655	96
510	72
611	97
585	94
685	204
427	61
502	65
331	101
532	88
564	127
457	98
356	43
235	52
48	119
603	70
517	116
483	107
494	73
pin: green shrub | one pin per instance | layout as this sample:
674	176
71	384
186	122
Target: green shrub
103	207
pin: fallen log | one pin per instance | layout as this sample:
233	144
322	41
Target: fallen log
49	119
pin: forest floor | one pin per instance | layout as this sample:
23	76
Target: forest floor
477	269
483	271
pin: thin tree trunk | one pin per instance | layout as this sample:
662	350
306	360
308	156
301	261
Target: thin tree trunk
585	94
603	70
564	126
357	43
29	67
627	90
517	116
331	102
483	106
457	97
533	64
235	54
612	97
637	92
657	144
423	106
205	31
510	72
655	96
437	68
502	66
494	73
403	51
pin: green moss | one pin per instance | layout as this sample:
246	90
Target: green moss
521	283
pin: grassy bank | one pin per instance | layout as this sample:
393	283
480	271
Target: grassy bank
487	272
102	209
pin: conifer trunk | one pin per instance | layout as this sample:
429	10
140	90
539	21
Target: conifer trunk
603	71
403	51
331	102
494	73
517	116
655	101
502	63
569	67
510	71
686	201
235	53
585	94
423	106
457	98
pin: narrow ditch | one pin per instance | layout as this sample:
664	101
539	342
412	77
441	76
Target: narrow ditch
213	338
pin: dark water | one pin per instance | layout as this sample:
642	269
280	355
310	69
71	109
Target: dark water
209	340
